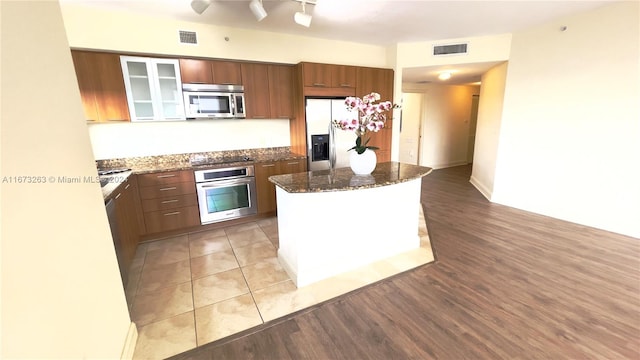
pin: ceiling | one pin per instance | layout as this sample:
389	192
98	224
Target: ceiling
373	21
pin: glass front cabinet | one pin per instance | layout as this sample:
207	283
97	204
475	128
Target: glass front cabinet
154	88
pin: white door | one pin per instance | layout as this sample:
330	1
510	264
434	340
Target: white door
412	110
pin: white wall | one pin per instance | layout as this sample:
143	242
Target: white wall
62	293
92	28
122	140
445	120
570	135
488	129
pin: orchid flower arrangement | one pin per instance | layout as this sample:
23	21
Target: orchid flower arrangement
371	117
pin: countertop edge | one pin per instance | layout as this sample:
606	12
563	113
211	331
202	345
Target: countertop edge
346	180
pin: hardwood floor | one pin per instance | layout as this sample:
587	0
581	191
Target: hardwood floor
506	284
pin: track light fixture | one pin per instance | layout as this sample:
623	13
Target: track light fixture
257	9
302	18
200	6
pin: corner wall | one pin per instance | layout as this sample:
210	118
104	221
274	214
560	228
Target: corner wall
62	293
488	129
570	134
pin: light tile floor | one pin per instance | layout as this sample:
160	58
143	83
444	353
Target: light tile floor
193	289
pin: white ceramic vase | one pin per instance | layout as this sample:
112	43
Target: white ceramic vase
363	164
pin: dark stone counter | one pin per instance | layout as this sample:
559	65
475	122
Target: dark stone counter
342	179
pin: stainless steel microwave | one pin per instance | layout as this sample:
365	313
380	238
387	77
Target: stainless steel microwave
204	101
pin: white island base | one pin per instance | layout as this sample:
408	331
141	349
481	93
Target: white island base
323	234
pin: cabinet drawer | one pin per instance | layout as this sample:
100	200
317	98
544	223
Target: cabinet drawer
163	178
171	202
167	190
172	219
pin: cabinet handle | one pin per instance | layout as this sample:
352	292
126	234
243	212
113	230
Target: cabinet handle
269	165
166	176
126	187
117	119
169	201
294	163
117	196
169	188
345	85
172	213
318	84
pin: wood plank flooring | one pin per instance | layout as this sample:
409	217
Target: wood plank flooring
506	284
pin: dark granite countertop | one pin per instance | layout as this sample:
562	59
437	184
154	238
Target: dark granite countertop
387	173
163	163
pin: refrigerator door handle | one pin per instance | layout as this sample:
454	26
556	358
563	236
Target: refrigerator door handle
332	147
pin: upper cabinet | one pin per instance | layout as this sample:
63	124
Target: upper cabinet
328	79
154	88
256	90
343	76
268	91
194	71
101	86
281	91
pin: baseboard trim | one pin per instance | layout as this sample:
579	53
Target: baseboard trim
483	189
130	342
448	165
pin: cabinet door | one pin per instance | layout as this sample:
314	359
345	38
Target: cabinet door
281	91
154	88
343	76
168	88
101	86
380	81
195	71
292	166
86	83
265	189
226	72
256	91
318	75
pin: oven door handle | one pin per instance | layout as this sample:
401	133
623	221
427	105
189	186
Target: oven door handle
220	183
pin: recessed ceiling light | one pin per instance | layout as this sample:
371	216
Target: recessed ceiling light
445	75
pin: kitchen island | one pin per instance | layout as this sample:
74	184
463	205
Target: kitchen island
331	222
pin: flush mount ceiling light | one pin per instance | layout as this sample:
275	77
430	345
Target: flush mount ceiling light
445	75
257	9
302	18
200	6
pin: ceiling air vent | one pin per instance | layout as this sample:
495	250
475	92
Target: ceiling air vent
451	49
188	37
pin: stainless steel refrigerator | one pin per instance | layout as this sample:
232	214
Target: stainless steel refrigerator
325	143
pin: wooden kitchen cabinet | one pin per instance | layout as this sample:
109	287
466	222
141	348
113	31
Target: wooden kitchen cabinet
316	75
381	81
292	166
281	91
256	90
101	85
169	200
343	76
265	189
195	71
127	234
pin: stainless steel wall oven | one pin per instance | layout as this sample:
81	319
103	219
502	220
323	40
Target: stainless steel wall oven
226	193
